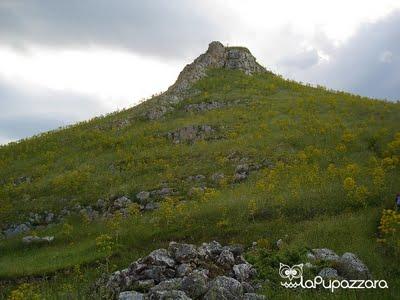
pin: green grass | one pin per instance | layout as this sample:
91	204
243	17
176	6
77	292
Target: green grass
315	138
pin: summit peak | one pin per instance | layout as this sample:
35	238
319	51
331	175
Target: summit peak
216	56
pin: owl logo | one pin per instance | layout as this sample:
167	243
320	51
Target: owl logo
294	272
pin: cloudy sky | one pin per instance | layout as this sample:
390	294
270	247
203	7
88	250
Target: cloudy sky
66	61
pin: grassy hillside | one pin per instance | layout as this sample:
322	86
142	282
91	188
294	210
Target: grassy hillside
333	166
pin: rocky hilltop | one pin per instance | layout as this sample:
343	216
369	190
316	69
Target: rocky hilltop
216	56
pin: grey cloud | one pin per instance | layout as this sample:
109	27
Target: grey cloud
367	64
27	110
161	28
303	60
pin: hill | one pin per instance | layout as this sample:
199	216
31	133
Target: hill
230	152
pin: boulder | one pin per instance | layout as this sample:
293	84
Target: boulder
244	272
351	267
239	177
328	273
145	284
210	249
224	288
235	249
243	168
226	259
253	296
131	295
168	285
151	206
168	295
122	202
195	284
183	269
101	204
182	252
158	273
165	191
247	287
279	244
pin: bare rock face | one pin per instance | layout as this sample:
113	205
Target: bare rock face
216	56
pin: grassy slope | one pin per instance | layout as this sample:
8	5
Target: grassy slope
316	139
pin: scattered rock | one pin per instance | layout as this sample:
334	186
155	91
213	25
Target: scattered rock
204	106
165	191
151	206
122	202
196	177
143	197
30	239
217	177
16	229
21	180
101	204
196	190
239	177
244	168
279	243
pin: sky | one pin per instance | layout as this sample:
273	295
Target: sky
66	61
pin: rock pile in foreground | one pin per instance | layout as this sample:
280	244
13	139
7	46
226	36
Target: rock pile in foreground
184	271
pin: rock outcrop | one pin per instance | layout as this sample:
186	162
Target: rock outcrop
191	133
184	271
217	56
